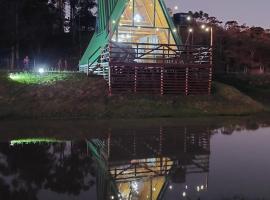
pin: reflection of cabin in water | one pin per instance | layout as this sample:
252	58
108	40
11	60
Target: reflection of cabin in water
148	167
138	50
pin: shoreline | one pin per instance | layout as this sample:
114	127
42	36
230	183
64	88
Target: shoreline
76	96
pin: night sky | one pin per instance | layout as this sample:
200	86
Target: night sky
251	12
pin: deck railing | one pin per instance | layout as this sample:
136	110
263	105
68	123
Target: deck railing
157	68
159	53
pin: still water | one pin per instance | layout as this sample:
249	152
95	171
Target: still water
176	160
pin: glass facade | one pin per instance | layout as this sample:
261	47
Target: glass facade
143	21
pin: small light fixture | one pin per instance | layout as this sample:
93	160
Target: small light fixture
203	26
174	30
170	187
41	70
188	18
113	21
175	7
190	30
184	194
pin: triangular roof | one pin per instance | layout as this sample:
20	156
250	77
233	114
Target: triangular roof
109	12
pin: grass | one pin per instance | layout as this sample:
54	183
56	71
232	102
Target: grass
255	86
38	78
68	95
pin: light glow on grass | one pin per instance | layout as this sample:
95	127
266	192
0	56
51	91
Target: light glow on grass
37	78
34	141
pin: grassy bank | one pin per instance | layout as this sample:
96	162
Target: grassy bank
65	95
255	86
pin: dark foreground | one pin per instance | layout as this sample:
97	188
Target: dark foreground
191	159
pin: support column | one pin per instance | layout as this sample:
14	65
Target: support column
186	82
135	79
162	81
109	81
210	80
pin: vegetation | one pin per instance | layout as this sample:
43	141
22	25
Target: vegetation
44	30
66	95
238	48
256	86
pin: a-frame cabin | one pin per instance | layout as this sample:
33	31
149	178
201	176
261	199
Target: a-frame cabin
137	49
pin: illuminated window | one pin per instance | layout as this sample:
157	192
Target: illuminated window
143	21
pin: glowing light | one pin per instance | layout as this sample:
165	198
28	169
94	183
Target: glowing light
137	18
112	197
154	189
33	141
134	186
157	29
174	30
113	21
184	194
198	188
41	70
139	27
190	30
186	187
188	18
203	26
202	187
207	29
170	187
175	7
12	76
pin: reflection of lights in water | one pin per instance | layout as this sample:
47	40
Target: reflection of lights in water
186	187
184	194
202	187
170	187
198	188
134	186
112	197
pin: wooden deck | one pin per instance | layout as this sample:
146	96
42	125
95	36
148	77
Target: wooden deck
162	69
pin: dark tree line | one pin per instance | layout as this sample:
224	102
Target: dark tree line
237	48
45	30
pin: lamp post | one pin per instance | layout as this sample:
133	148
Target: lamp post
207	29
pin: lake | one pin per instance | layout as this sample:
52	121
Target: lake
206	159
